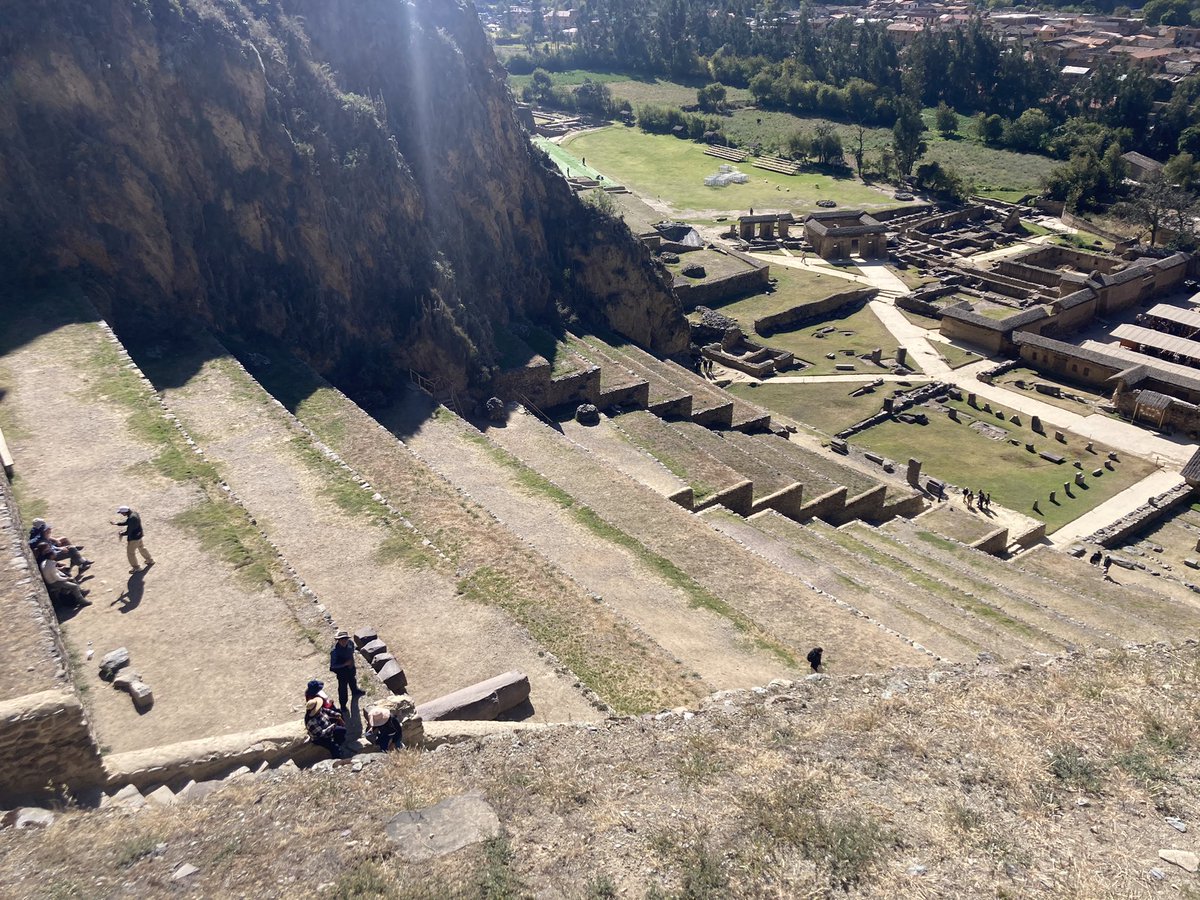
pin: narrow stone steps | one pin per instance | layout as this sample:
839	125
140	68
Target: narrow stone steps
998	628
745	416
665	398
1064	588
766	477
768	535
711	480
1009	599
785	606
607	443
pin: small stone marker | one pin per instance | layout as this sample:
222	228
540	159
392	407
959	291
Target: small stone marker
1077	464
441	829
952	413
393	677
1035	508
1036	424
901	356
913	475
184	871
1089	447
889	404
365	635
971	401
1053	496
1096	473
1185	859
1060	437
1079	479
877	355
1112	455
381	660
112	662
1000	414
987	407
369	650
1015	419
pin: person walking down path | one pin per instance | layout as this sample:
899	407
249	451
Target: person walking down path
341	664
133	538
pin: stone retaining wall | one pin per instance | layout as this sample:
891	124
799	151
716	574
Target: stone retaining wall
995	542
790	318
1143	517
46	743
714	290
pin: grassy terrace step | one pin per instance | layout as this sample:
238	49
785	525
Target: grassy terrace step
1010	599
997	626
92	435
665	398
709	404
785	606
1077	594
782	542
710	479
614	447
855	480
492	564
767	477
363	562
713	641
706	394
956	524
1170	615
790	464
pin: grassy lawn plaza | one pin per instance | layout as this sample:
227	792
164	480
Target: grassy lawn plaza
793	287
1087	403
963	456
826	407
716	265
673	170
567	164
857	333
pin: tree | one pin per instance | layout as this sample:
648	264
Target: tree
943	181
541	87
906	138
711	97
989	128
799	145
1153	204
858	148
1182	170
946	119
827	146
1028	132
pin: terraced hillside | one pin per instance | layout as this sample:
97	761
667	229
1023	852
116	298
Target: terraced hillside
630	566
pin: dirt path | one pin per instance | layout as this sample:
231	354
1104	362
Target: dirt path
220	655
700	639
443	640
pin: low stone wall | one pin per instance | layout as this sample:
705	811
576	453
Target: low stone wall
738	499
867	506
797	315
578	387
636	396
1083	224
994	543
1143	517
827	505
905	507
45	743
535	384
714	290
788	501
919	305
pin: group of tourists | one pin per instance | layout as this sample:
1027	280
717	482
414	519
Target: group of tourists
977	498
57	555
326	723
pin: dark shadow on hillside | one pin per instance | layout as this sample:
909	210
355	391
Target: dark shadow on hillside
28	313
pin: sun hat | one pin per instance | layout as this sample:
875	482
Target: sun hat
122	509
38	523
314	705
378	715
341	634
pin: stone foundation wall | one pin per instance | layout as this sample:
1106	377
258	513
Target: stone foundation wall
827	505
710	291
994	543
535	384
45	743
790	318
1144	516
867	506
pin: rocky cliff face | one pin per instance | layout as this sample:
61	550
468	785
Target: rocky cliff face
346	175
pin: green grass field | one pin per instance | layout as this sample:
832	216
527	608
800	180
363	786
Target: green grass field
793	287
638	91
1013	476
673	170
826	407
568	164
857	333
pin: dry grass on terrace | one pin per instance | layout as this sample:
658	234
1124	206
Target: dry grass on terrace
1043	780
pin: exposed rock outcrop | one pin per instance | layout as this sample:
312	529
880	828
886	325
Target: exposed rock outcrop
346	176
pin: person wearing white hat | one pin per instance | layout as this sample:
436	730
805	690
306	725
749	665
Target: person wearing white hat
133	538
341	664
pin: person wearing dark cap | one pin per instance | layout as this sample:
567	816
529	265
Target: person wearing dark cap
814	658
341	664
133	538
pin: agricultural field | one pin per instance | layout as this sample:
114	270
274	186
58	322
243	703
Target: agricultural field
673	171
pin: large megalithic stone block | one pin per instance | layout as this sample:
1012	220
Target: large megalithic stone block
393	677
479	702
